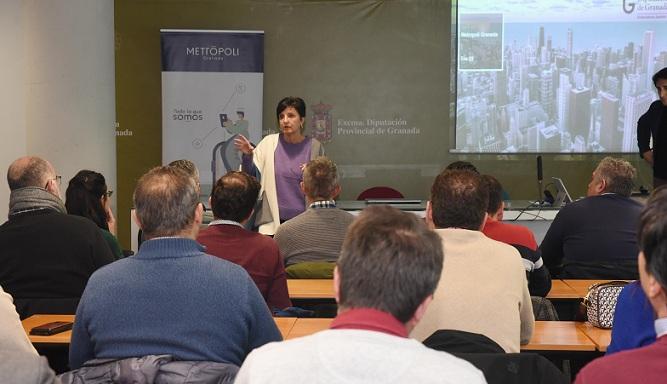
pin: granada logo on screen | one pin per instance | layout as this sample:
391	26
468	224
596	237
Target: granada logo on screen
628	7
648	9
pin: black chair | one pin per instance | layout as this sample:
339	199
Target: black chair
451	340
27	307
515	368
543	309
621	270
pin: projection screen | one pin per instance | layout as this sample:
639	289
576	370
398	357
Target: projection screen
555	76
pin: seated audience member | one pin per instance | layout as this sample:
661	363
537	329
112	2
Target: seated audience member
645	364
633	320
19	362
171	297
518	236
596	237
315	235
87	196
368	340
47	255
190	169
232	200
483	287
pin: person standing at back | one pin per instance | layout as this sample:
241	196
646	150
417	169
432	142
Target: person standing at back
652	128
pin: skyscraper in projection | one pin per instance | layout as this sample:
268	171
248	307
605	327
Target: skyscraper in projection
563	95
580	112
609	134
647	57
569	48
635	106
546	92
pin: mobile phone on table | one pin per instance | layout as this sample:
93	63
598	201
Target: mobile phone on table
52	328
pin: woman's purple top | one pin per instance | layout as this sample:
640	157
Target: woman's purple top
289	159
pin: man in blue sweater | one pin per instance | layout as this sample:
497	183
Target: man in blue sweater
171	297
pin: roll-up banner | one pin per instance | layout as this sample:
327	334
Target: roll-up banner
212	84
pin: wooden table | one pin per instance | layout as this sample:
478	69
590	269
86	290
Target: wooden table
310	288
323	289
305	327
561	291
284	325
58	338
547	336
558	336
601	337
581	286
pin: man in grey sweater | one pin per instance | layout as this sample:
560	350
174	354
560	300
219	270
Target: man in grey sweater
317	234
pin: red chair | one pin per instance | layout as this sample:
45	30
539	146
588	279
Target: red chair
380	193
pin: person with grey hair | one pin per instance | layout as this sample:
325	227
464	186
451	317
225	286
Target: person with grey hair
389	267
171	297
186	166
47	255
596	237
317	234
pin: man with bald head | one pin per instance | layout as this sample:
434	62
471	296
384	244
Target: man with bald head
47	255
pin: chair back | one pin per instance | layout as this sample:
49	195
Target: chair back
380	193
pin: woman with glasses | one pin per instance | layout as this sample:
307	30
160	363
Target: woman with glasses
87	195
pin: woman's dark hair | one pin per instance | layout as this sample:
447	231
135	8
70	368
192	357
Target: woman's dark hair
83	197
294	102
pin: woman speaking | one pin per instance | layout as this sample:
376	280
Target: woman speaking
279	159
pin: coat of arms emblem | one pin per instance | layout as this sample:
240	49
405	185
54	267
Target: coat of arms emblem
320	124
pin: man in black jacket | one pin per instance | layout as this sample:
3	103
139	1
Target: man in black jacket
650	125
596	237
46	255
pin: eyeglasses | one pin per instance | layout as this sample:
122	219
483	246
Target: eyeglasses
58	180
108	193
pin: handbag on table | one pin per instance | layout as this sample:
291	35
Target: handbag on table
601	302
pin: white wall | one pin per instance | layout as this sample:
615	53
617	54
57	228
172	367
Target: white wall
62	85
12	92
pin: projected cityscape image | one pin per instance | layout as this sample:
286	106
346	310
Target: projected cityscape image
558	86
